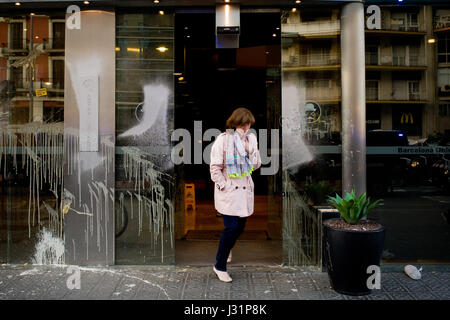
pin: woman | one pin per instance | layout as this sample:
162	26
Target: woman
234	156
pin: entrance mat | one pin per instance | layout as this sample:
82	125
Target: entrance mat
215	235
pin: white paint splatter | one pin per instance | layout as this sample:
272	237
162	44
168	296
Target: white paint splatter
49	249
156	98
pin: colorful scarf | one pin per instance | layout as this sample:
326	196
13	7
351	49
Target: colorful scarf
237	159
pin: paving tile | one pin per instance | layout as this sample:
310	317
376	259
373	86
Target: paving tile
200	283
401	296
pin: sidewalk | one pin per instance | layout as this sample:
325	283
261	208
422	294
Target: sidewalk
176	283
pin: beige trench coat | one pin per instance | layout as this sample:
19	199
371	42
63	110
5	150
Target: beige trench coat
233	196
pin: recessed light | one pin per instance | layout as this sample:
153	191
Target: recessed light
162	49
298	1
86	2
156	1
17	3
274	35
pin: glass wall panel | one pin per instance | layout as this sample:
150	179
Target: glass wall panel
408	131
31	141
311	124
144	122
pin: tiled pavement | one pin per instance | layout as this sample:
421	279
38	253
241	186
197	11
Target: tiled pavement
200	283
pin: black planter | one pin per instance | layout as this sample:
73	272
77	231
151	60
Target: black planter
348	254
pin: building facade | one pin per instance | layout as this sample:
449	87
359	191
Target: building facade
108	111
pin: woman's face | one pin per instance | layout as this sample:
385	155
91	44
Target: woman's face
245	127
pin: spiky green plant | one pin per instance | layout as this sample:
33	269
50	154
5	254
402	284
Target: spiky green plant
353	208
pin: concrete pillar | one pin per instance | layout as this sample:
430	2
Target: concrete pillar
353	98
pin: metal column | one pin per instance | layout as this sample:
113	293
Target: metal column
353	98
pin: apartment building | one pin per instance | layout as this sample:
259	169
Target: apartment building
32	58
400	62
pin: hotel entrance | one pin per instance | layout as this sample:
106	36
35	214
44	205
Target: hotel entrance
210	82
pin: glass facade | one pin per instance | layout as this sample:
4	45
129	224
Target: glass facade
31	139
144	186
172	82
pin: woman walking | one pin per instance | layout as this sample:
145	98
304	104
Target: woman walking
234	156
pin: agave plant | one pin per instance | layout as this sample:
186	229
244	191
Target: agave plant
353	208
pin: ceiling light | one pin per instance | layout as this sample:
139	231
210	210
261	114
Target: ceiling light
17	3
180	78
162	49
294	9
133	49
161	12
431	40
274	35
156	1
227	0
32	14
86	2
298	1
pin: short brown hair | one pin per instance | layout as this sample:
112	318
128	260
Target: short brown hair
239	117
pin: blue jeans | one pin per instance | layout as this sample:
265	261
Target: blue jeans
234	226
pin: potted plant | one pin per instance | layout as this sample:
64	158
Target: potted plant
352	244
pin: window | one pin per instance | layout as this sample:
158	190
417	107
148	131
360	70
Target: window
413	90
16	77
444	110
16	32
58	74
443	48
58	35
372	89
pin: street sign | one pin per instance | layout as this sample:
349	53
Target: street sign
41	92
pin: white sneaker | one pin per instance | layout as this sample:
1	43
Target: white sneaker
222	275
229	257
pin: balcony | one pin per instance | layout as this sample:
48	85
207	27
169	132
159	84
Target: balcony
322	90
52	83
54	44
396	62
313	29
312	62
441	23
